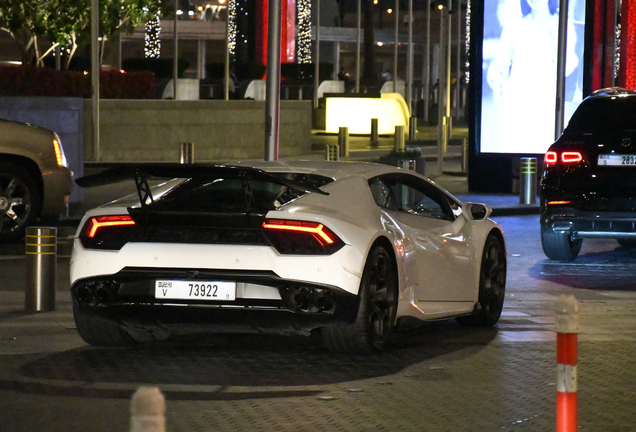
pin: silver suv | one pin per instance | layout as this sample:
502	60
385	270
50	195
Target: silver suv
34	179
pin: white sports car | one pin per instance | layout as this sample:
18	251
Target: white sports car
344	248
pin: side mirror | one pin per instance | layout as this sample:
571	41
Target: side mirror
476	211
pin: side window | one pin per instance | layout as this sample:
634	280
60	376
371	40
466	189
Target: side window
382	194
455	207
410	194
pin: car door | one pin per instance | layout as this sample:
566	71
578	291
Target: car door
436	256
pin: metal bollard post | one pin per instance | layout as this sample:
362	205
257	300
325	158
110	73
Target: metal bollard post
399	138
187	153
374	132
465	155
528	180
333	152
41	269
567	327
413	128
147	410
408	164
343	141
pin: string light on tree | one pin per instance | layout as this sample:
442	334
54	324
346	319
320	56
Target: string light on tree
304	31
152	44
231	8
467	64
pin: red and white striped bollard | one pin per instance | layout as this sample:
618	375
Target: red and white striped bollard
567	327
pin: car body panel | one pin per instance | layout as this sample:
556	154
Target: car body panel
591	198
33	144
438	261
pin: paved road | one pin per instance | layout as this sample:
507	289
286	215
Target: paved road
436	377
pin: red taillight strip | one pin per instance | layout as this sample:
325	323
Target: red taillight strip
550	157
306	227
108	221
558	202
571	157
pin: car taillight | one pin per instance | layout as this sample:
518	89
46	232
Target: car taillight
566	157
60	157
106	232
301	237
551	157
571	157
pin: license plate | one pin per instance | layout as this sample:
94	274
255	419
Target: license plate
195	290
616	160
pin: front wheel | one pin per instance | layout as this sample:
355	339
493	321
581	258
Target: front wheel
559	246
377	311
20	201
492	286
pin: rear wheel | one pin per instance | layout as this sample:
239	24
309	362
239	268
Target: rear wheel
20	201
377	311
492	286
99	329
559	246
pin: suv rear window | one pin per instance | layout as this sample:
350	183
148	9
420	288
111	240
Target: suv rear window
604	115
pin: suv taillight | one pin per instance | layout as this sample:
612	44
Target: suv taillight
551	157
566	157
571	157
301	237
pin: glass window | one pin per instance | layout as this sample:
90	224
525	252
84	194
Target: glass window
237	194
409	194
604	115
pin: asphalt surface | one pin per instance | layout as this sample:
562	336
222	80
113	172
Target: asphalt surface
434	377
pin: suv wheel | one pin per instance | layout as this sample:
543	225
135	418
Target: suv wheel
20	201
559	246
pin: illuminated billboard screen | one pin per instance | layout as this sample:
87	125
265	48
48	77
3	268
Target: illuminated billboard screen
520	40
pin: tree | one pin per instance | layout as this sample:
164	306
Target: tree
25	21
67	23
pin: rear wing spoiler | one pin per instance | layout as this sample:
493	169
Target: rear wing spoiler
141	173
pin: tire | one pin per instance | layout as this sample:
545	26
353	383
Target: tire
20	202
627	243
377	311
100	330
560	246
492	286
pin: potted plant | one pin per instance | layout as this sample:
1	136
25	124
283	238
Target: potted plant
409	158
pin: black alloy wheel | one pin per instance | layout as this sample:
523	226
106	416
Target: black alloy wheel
559	246
377	312
20	201
492	286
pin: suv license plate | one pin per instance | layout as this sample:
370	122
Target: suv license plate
195	290
616	160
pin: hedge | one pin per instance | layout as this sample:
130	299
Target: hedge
32	81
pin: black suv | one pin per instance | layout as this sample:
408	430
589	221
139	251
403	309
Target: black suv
588	188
